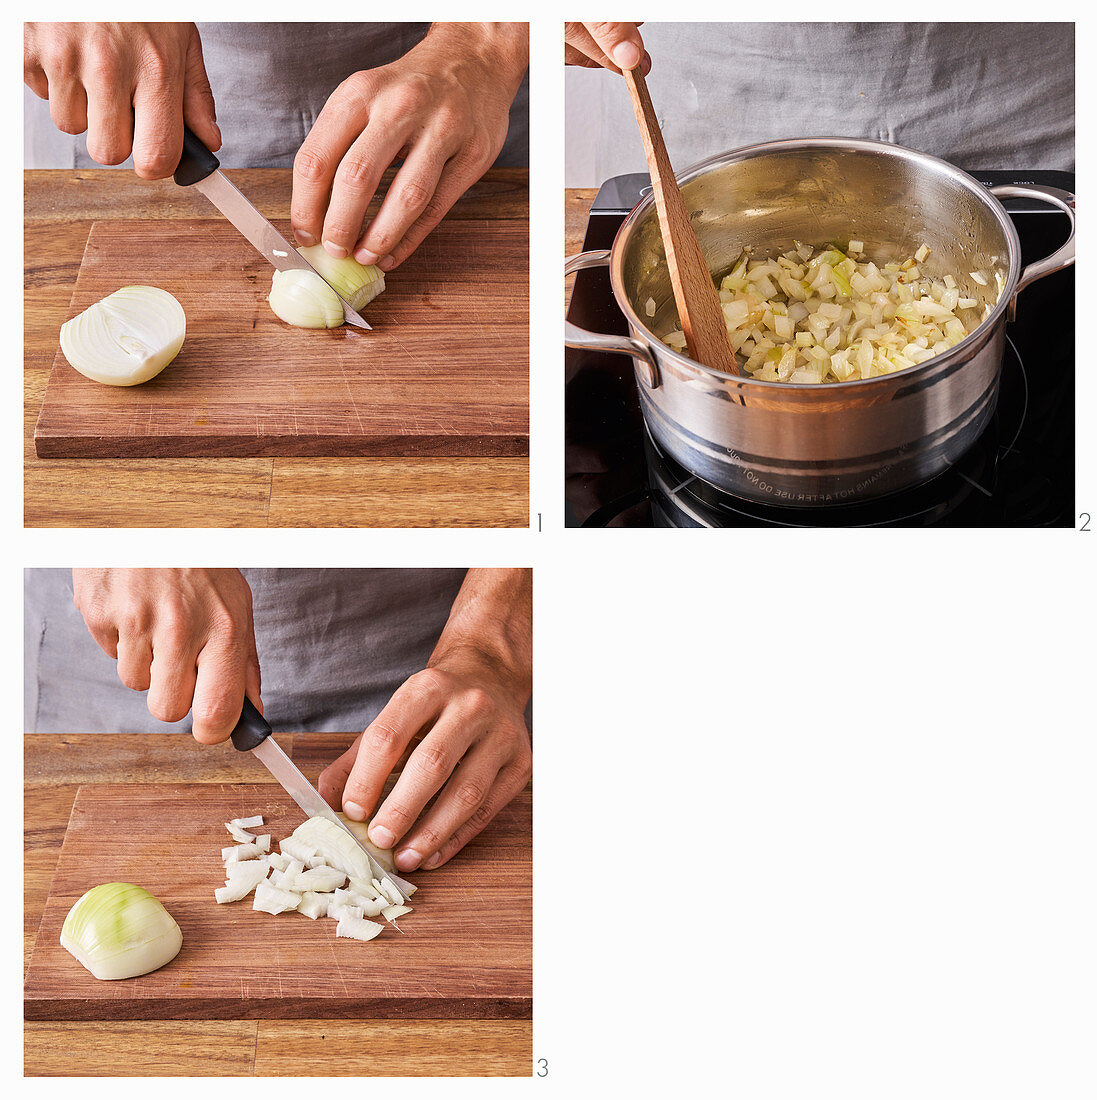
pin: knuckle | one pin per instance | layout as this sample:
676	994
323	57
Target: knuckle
355	172
310	165
469	794
215	714
399	816
413	195
431	680
411	95
427	839
478	703
382	739
432	762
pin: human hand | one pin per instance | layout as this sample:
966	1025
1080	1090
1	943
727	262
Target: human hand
131	86
613	46
443	107
476	750
184	635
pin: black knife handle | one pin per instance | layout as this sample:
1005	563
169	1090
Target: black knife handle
197	161
252	729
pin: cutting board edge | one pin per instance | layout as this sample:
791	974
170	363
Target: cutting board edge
49	445
54	1009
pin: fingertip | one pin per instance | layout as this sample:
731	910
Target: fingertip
645	66
627	55
354	811
434	861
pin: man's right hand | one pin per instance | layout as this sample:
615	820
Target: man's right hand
129	85
184	635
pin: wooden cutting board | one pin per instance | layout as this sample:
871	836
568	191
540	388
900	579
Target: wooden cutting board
444	371
465	950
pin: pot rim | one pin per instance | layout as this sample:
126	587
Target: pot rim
856	145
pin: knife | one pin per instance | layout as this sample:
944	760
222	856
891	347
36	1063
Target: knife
200	168
253	734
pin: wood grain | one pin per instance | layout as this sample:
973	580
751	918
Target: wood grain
176	1048
465	951
410	1048
444	371
59	209
695	295
279	1048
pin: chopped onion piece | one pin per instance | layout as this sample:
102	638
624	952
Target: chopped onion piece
278	862
242	851
241	836
247	822
269	899
357	928
979	277
649	307
313	905
393	911
319	879
241	884
297	849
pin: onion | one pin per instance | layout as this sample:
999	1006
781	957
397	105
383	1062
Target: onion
119	930
814	317
301	298
356	928
316	892
357	283
126	338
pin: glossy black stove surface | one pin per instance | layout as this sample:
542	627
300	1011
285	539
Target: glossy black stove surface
1019	473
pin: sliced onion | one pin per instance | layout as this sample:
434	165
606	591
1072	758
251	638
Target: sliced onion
126	338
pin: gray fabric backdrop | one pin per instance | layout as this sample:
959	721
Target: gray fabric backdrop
982	95
269	82
333	646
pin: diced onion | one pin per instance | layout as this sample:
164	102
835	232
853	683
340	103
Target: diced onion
126	338
813	316
357	928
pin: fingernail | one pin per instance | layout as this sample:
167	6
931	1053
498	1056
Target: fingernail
381	836
626	55
354	811
304	238
408	859
336	250
387	262
433	862
364	256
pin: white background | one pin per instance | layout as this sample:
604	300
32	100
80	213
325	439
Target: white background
814	810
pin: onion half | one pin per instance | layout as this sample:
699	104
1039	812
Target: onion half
126	338
119	930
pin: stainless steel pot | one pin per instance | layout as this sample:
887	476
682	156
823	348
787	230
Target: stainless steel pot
806	445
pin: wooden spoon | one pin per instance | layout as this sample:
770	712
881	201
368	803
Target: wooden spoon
694	292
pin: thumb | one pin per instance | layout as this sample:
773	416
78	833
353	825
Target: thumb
621	42
199	111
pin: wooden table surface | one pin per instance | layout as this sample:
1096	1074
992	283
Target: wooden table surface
54	767
59	208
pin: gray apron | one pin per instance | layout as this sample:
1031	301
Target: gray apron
333	646
270	81
981	95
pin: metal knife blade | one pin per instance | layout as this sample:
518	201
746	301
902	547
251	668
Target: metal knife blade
253	726
198	167
262	236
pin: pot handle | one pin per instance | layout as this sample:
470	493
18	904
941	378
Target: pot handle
1063	256
576	337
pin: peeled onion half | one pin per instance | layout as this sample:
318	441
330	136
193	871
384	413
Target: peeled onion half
126	338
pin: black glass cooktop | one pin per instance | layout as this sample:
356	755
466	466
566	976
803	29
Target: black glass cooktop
1019	473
